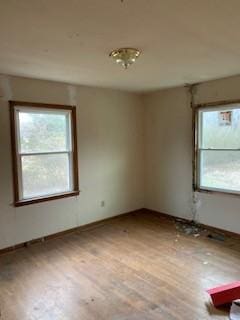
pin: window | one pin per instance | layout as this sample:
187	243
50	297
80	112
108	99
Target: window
217	148
44	151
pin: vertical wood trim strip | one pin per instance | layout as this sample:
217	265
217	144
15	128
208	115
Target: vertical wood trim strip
14	152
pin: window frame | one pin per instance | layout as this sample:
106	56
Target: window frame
16	171
196	108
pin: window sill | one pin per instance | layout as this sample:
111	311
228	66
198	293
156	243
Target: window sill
218	192
26	202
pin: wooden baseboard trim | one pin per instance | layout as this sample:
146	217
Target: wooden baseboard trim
204	226
103	222
60	234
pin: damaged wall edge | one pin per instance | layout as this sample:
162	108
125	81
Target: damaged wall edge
204	226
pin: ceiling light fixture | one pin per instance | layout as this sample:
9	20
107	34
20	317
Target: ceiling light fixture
125	56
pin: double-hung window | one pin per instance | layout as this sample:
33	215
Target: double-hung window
217	148
44	151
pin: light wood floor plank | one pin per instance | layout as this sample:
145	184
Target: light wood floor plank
135	267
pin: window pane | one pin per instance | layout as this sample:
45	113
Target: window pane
43	132
220	169
45	174
221	129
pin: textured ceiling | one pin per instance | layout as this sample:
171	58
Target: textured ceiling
183	41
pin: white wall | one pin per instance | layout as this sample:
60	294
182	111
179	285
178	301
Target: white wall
110	135
134	151
168	149
169	154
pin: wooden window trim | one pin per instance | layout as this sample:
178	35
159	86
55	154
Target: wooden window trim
195	112
17	201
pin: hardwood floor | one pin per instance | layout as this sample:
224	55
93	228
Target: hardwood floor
135	267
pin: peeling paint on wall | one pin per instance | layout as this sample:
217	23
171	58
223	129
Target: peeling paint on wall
196	204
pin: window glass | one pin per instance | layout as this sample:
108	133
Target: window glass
45	175
220	169
221	129
43	132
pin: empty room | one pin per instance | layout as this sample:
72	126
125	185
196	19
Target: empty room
119	159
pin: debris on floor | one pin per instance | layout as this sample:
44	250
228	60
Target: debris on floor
235	310
195	229
189	227
216	236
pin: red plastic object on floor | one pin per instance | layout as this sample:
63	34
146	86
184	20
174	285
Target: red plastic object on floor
225	294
